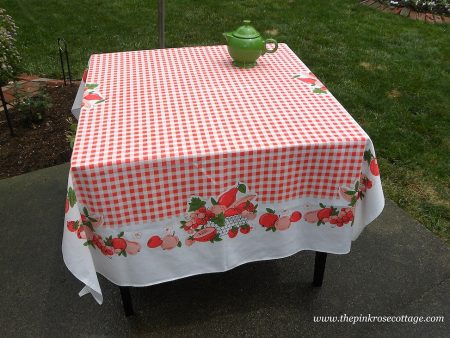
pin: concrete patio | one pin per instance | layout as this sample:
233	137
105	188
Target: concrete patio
396	267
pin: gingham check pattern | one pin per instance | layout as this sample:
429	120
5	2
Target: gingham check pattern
183	122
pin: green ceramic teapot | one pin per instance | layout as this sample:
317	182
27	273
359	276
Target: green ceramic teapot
246	45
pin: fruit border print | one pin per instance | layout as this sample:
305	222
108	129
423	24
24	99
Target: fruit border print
372	163
227	216
331	215
85	230
273	222
165	242
340	217
91	95
317	87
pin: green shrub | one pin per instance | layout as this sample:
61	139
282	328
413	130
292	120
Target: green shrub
9	56
31	110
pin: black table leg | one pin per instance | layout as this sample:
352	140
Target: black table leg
319	268
126	300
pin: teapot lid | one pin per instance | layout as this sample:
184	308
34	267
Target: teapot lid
246	31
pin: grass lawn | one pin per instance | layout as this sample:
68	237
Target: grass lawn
391	73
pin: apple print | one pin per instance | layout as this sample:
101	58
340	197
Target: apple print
283	223
169	242
233	232
189	241
154	242
296	216
119	244
228	198
67	206
132	248
268	220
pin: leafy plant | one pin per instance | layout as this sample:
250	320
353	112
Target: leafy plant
9	56
31	110
72	132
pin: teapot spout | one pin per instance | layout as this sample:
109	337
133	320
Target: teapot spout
227	36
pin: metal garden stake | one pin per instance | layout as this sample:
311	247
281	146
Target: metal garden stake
62	46
5	108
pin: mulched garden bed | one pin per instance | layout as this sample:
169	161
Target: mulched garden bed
43	145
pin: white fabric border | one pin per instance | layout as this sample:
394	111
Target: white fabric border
153	266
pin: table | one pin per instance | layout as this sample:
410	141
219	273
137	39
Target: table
184	164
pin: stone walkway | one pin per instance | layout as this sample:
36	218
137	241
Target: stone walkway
406	12
396	267
27	86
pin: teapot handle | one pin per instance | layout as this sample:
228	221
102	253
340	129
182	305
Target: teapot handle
270	50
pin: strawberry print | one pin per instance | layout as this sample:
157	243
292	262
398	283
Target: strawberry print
310	79
225	216
154	242
233	232
273	222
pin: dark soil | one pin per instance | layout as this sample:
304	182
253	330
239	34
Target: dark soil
42	145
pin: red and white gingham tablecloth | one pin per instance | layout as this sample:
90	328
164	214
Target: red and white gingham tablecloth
167	136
